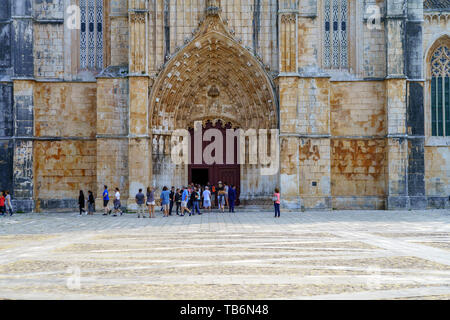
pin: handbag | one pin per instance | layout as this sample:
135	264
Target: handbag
274	198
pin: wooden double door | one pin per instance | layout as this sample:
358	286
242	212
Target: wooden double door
213	173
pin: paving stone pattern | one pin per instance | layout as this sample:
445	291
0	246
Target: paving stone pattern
247	255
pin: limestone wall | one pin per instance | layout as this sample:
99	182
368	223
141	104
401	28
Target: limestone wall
358	171
61	169
64	161
48	50
65	109
358	108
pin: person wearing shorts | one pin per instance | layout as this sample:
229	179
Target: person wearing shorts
221	196
165	201
151	202
184	201
106	201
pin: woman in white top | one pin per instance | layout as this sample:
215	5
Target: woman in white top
117	204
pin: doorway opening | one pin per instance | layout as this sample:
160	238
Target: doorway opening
200	176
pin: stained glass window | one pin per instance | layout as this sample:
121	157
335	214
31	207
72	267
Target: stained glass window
335	46
91	34
440	91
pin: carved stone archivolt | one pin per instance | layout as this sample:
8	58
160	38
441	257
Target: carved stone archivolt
213	77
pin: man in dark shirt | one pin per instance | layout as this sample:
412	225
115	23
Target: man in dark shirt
140	201
178	200
172	200
232	197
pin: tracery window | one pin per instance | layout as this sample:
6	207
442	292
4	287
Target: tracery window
335	46
91	34
440	91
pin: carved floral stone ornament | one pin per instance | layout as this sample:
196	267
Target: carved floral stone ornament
213	92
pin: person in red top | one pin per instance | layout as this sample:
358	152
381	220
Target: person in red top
2	203
276	201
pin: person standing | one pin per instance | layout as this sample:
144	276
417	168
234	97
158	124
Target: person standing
8	203
221	196
192	201
231	198
172	200
178	201
184	201
140	201
91	203
197	199
213	196
207	199
226	188
165	201
276	200
106	200
81	202
151	202
117	204
2	203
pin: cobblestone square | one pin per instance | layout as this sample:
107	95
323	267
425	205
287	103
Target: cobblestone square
247	255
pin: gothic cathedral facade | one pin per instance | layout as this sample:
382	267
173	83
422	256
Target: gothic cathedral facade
91	92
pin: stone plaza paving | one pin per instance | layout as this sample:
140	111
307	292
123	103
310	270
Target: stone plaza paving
247	255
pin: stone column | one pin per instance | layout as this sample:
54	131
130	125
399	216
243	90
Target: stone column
415	105
287	83
22	51
397	144
6	99
140	147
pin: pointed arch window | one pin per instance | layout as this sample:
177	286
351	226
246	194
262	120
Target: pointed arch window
91	34
440	91
335	45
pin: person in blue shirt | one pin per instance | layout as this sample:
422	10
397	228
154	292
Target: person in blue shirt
165	201
106	201
232	195
184	201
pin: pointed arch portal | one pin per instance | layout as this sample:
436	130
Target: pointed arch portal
213	78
